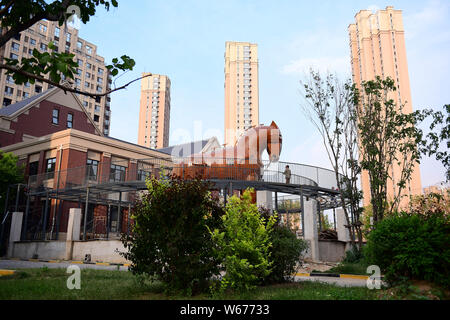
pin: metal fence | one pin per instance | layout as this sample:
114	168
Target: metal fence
323	178
107	172
95	174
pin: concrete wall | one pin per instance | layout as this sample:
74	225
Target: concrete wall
106	251
311	225
43	249
100	251
341	222
71	249
264	199
14	233
331	250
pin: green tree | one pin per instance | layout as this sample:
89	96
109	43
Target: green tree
329	105
170	239
244	244
325	222
388	137
440	133
10	173
18	15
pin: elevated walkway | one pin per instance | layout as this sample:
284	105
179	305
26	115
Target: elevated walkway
95	183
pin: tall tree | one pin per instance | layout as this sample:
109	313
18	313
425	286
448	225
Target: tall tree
329	105
388	137
18	15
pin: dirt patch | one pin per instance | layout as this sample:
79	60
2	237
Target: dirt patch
422	285
308	267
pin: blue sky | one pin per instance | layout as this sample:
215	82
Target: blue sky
186	41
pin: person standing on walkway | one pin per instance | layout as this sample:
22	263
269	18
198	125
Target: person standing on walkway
287	173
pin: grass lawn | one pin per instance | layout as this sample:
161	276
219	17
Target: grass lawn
44	284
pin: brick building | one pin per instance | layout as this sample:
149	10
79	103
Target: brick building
69	158
47	112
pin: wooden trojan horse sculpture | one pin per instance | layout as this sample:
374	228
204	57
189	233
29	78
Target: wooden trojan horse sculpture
239	162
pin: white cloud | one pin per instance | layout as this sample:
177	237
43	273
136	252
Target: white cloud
434	13
323	49
340	65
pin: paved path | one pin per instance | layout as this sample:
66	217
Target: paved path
342	282
17	264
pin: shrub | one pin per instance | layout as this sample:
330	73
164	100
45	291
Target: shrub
412	247
244	244
431	203
286	251
354	255
170	238
285	254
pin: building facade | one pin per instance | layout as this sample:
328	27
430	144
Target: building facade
184	150
65	151
44	113
154	111
70	160
377	46
92	75
241	89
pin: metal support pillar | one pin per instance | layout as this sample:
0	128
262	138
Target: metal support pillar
25	223
128	219
302	212
119	213
86	207
44	223
276	201
334	218
225	194
6	202
108	220
17	198
319	213
58	218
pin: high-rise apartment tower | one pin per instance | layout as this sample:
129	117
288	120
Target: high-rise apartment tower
154	113
377	44
241	89
92	75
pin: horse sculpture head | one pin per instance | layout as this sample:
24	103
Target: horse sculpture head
252	143
274	142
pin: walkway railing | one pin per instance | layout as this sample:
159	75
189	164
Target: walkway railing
123	171
323	178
